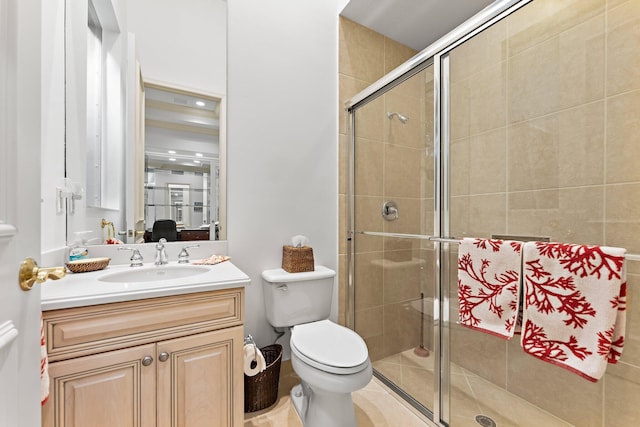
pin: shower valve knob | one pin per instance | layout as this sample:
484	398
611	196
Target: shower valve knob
390	211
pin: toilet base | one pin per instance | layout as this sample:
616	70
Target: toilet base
298	400
328	409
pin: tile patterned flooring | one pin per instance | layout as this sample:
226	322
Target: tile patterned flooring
374	405
471	395
377	407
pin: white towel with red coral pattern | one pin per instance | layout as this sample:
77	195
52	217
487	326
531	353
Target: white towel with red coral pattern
489	285
574	305
44	367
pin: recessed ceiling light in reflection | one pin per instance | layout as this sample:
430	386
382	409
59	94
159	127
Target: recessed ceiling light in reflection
200	103
196	161
198	154
171	152
172	159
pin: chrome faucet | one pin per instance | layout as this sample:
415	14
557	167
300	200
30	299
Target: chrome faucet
183	256
161	253
136	258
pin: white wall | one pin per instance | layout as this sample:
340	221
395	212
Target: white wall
114	43
282	138
54	136
181	42
53	224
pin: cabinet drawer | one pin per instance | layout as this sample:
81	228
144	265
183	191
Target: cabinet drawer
86	330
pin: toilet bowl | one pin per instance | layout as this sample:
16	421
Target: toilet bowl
332	361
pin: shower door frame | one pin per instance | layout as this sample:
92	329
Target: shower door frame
437	56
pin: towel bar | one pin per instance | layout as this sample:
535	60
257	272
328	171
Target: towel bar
632	257
628	257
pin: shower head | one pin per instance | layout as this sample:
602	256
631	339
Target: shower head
403	119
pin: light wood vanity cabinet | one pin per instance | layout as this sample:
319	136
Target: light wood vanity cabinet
111	388
170	361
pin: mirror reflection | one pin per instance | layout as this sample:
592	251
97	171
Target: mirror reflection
118	168
182	164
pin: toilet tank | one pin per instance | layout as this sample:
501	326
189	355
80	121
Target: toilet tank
294	298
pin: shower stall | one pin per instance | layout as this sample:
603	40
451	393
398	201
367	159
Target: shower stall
521	123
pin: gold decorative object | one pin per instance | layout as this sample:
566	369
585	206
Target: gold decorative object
30	273
110	228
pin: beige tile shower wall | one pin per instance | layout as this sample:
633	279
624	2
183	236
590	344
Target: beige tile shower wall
382	145
361	62
545	118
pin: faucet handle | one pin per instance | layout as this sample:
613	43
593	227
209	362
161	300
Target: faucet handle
183	256
136	258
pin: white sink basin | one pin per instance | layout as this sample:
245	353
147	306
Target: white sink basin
153	274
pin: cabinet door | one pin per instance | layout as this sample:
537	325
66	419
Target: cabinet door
103	390
200	381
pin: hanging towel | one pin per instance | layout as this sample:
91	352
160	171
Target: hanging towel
574	305
44	366
489	285
617	339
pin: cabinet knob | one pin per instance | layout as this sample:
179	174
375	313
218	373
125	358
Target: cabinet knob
147	360
163	357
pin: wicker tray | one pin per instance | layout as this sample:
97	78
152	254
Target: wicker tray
87	264
261	390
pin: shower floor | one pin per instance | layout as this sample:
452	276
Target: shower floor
470	394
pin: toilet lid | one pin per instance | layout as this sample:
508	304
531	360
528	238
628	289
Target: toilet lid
329	347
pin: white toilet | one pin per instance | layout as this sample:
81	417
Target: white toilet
332	361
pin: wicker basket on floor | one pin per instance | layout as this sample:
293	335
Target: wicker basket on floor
261	390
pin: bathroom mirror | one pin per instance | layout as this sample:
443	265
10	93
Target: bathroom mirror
182	161
112	47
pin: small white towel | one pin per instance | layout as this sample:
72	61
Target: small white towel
212	260
489	285
254	362
574	305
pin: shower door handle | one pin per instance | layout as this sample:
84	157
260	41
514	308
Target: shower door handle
390	211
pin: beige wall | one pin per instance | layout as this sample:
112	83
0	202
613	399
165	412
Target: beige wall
391	165
394	162
365	56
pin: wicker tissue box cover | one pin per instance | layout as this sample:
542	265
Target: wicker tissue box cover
297	259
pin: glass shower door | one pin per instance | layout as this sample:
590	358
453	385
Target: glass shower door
529	155
392	217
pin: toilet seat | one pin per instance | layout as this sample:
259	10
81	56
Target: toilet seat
329	347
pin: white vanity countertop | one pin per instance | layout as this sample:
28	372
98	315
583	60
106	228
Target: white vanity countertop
81	289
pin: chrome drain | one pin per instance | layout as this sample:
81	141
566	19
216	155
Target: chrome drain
485	421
